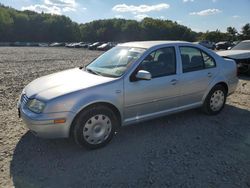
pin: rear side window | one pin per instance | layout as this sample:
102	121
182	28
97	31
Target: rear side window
194	59
208	61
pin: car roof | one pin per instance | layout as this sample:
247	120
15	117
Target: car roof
149	44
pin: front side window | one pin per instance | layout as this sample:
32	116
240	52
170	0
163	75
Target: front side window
194	59
161	62
115	62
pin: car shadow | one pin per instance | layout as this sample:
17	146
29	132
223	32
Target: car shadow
185	149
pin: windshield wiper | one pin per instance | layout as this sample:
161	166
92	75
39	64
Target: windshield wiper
93	72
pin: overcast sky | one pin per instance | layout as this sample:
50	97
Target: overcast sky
199	15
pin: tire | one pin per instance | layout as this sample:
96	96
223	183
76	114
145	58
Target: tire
215	100
95	127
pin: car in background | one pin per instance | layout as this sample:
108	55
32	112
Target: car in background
240	53
94	45
86	45
131	83
224	45
43	44
19	44
76	45
57	44
69	45
234	43
106	46
24	44
207	44
79	45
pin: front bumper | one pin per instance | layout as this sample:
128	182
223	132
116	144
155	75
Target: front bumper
42	125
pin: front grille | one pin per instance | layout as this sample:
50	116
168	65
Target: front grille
24	99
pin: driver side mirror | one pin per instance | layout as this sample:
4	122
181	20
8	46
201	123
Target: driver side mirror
143	75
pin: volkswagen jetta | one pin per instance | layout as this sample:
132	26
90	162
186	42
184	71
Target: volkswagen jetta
130	83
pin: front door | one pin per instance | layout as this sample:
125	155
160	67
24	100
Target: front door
146	98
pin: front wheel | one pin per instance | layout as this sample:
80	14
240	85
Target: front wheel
215	100
95	127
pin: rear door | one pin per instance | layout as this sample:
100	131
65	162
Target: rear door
198	71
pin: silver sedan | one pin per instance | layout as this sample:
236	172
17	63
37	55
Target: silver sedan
130	83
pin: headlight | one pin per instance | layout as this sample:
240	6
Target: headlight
35	105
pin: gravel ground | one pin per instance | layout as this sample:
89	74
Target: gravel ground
188	149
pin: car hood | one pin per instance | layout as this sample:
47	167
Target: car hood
61	83
235	54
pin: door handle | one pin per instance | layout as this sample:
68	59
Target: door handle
209	74
173	82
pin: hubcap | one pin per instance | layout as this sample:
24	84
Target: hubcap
97	129
217	100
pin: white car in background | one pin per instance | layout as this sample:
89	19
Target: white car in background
240	53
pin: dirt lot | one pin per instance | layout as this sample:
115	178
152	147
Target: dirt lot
188	149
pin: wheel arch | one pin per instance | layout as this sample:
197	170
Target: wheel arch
223	83
107	104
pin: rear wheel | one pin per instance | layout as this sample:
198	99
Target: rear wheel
95	127
215	100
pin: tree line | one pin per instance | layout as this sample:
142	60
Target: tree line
29	26
231	35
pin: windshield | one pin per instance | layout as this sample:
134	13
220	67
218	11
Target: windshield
115	62
244	45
